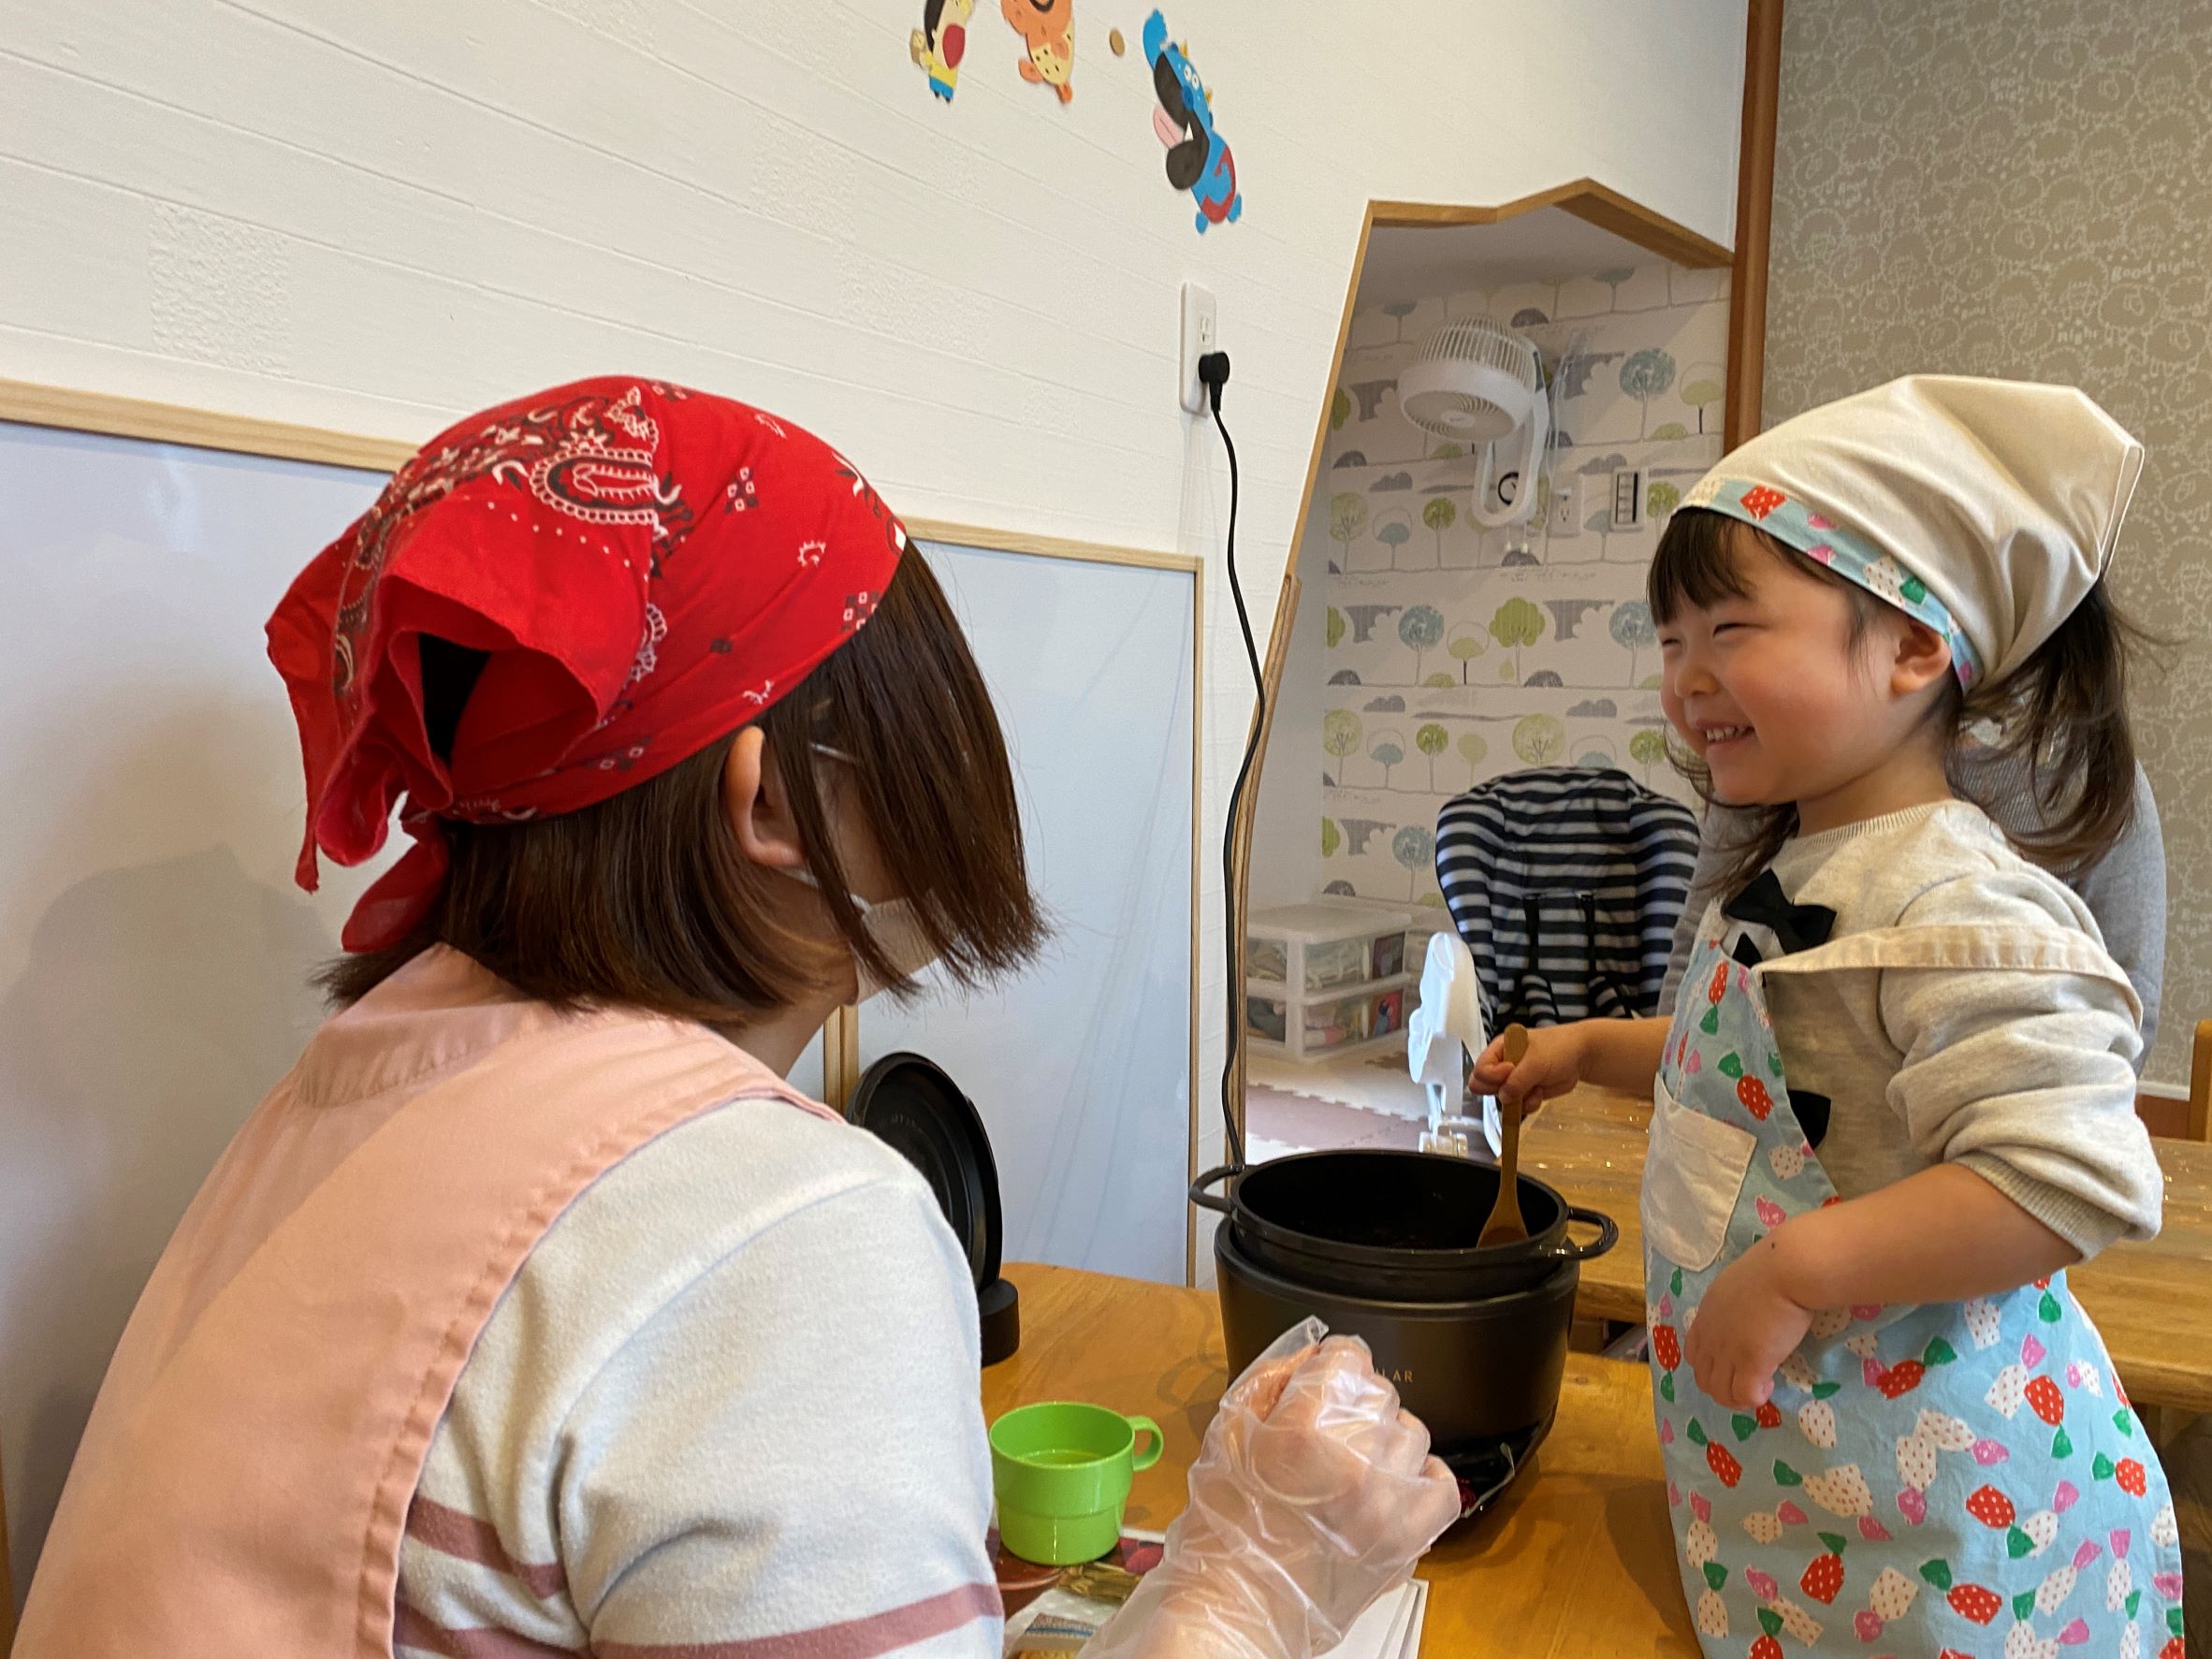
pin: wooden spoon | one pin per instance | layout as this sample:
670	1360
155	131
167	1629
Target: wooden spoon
1505	1226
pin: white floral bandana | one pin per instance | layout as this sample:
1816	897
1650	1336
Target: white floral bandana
1987	509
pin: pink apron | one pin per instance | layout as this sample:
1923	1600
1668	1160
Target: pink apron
244	1480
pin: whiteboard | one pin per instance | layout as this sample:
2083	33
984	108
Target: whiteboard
154	951
1081	1068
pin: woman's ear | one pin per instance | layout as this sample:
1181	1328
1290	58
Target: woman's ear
1923	659
754	803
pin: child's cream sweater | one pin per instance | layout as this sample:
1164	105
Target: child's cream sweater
2025	1077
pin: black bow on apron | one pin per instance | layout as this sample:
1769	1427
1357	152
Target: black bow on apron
1795	927
1762	903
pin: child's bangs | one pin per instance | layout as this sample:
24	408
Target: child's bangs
1695	563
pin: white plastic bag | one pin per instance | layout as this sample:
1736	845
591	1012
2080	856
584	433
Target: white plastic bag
1443	1036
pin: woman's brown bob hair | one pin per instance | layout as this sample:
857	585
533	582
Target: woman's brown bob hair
2064	712
645	899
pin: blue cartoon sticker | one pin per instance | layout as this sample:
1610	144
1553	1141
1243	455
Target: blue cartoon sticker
1198	160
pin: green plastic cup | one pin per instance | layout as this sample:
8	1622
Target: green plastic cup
1061	1473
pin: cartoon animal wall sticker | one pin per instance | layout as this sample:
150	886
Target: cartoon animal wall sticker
938	45
1199	158
1047	28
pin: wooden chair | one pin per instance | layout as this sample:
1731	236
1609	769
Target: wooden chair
6	1584
2170	1429
2200	1086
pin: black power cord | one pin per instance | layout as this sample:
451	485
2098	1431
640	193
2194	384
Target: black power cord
1212	370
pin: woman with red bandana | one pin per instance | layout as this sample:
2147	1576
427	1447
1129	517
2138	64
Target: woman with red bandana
532	1313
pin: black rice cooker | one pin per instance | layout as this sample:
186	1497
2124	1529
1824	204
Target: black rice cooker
1382	1246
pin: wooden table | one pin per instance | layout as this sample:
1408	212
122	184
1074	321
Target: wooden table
2153	1300
1577	1558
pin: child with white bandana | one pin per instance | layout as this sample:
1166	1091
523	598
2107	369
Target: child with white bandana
1895	1101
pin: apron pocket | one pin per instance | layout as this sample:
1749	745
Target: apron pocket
1693	1172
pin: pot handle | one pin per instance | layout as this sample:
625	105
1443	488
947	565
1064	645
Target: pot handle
1206	1201
1608	1234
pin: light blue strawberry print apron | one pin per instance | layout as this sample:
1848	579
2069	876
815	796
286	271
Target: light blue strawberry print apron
1955	1480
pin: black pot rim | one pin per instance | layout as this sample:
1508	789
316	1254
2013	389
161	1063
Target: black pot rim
1551	1245
1232	1256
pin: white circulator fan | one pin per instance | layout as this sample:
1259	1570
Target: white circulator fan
1477	382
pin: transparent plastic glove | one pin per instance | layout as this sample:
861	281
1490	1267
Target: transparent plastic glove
1313	1494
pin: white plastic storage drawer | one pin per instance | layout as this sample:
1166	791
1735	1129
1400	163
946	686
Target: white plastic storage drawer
1329	944
1338	1023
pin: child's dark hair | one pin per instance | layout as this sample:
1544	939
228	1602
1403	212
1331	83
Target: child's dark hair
2063	713
645	900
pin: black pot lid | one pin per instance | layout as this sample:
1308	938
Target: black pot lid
910	1104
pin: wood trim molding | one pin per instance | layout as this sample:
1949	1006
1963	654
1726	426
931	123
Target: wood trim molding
1587	200
1241	830
1277	648
1312	459
1754	221
1198	871
1009	541
206	428
6	1582
202	429
840	1056
2195	1117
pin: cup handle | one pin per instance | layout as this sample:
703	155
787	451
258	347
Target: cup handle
1145	1459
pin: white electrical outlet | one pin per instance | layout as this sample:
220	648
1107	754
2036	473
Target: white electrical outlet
1566	508
1201	335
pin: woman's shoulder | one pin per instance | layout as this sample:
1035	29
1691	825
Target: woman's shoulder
774	1128
1958	866
1948	864
720	1222
645	1406
751	1164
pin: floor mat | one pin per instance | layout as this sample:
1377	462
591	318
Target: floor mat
1279	1120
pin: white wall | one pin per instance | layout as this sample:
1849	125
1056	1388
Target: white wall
374	217
1287	836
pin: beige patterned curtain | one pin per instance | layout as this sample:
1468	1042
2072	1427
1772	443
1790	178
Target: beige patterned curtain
2024	189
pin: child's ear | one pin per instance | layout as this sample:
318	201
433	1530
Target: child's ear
753	801
1923	659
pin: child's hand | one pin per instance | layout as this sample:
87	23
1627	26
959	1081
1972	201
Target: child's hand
1552	1066
1746	1326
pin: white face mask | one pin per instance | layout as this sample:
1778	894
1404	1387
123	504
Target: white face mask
895	927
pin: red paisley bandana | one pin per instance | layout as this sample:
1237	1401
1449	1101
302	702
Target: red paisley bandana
646	568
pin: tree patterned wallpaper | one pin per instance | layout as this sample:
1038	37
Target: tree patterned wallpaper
1455	654
2024	188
